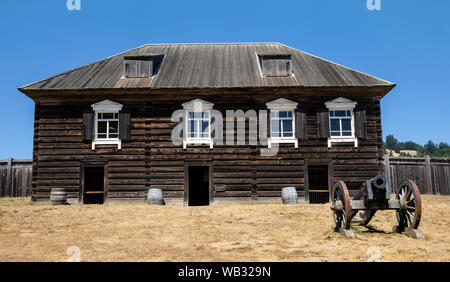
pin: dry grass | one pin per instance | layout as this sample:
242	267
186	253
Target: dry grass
216	233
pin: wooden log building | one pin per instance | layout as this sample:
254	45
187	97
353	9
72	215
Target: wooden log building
104	130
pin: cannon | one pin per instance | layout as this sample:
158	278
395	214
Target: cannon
374	195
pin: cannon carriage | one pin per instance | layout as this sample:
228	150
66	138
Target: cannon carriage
375	194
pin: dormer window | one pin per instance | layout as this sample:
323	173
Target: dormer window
198	123
142	66
275	65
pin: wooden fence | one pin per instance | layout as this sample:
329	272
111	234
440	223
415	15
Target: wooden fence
15	178
432	175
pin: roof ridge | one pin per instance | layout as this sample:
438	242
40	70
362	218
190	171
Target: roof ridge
328	61
211	43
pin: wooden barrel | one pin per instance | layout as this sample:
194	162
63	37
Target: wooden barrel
289	195
58	196
155	197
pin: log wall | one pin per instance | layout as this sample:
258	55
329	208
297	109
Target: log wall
151	160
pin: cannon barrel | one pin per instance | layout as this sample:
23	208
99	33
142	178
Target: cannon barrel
378	182
378	188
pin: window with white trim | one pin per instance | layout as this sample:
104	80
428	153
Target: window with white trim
198	123
341	121
282	122
106	123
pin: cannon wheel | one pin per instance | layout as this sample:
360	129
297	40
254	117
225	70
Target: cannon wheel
341	207
409	217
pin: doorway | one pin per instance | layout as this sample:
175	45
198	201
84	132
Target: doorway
318	183
94	185
198	185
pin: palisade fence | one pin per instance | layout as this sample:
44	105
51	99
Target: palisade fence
432	175
15	178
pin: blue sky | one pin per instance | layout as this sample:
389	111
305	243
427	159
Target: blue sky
406	42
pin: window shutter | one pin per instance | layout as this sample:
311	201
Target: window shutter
216	126
131	68
323	123
360	123
88	126
288	65
276	65
124	126
144	68
300	125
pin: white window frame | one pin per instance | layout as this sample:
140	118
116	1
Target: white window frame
197	106
106	106
282	105
342	104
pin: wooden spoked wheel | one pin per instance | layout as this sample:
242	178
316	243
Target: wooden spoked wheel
341	207
410	211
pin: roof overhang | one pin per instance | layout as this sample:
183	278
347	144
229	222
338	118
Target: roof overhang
376	92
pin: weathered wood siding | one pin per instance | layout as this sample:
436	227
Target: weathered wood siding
432	175
151	160
15	178
61	152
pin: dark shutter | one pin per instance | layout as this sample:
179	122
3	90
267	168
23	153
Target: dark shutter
276	65
323	123
300	125
360	123
139	66
212	130
124	126
131	68
145	68
88	126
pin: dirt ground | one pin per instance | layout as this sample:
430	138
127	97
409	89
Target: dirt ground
213	233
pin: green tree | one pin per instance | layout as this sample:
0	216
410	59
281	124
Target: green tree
433	149
410	145
430	148
443	146
391	142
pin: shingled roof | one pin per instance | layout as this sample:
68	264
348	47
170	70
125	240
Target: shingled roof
227	65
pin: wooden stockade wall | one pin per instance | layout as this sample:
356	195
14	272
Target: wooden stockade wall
432	175
15	178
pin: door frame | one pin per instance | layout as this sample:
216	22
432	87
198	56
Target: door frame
323	162
188	164
85	165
